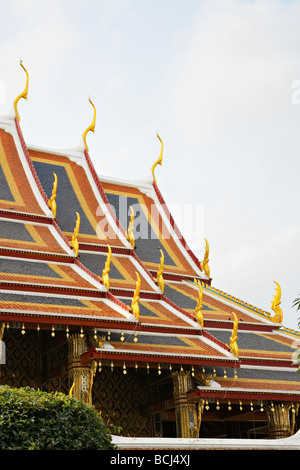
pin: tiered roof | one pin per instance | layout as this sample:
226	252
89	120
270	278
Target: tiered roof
162	324
45	281
42	281
266	348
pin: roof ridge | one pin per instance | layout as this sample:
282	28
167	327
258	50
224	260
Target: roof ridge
244	304
102	192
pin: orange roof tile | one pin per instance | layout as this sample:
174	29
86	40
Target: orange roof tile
32	237
16	192
75	194
214	306
152	233
65	307
122	273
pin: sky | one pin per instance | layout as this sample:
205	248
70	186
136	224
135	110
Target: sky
218	80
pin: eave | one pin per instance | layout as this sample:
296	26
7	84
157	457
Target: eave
146	357
33	319
39	218
36	255
246	326
251	395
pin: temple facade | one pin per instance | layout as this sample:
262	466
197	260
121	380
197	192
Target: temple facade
101	298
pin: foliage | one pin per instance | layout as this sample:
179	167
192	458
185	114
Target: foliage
35	420
297	303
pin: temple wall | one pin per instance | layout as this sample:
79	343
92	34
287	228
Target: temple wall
35	359
23	359
120	398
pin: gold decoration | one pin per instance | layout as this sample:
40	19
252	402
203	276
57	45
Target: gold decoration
71	390
234	336
129	233
187	420
23	94
198	310
199	414
74	242
90	128
202	377
51	201
2	329
136	297
277	318
159	160
105	273
204	264
160	272
91	381
98	341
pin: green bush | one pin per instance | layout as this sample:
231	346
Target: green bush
34	420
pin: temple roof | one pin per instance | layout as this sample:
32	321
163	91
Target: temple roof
78	192
155	309
249	383
46	279
155	223
217	308
17	192
262	343
167	349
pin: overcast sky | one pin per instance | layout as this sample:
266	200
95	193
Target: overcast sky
218	80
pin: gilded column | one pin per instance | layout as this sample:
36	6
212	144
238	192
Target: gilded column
279	424
81	376
186	413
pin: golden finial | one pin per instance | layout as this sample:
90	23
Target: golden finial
23	94
198	310
234	336
51	201
204	265
71	389
160	272
159	160
105	273
74	242
90	128
275	305
135	308
129	233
